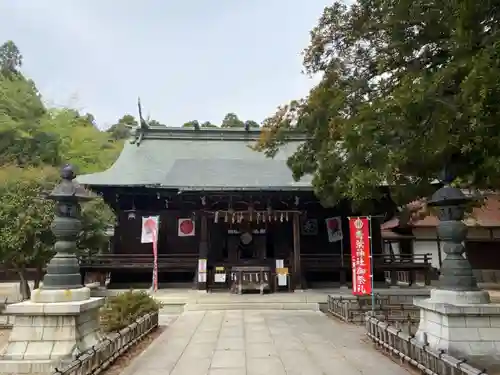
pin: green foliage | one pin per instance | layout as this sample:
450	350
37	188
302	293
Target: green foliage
81	144
96	218
25	217
124	308
121	130
232	121
34	143
208	124
11	59
191	124
406	88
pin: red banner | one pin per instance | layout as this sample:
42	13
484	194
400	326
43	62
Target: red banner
359	229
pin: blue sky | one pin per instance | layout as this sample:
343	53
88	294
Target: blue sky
186	59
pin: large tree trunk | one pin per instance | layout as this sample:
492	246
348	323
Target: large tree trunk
24	288
38	277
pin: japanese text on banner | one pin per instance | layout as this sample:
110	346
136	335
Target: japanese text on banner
359	229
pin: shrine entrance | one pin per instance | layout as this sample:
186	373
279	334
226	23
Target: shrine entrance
251	251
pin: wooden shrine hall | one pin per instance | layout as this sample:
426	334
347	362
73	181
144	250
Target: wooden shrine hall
229	218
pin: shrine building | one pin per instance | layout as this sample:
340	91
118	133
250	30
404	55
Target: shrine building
226	212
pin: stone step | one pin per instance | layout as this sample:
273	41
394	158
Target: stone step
172	308
252	306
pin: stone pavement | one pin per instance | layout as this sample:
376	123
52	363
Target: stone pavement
261	342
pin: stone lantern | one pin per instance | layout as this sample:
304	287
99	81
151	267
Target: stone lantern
457	283
61	320
458	317
63	270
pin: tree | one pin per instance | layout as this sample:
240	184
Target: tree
251	124
96	218
25	217
232	121
154	123
208	124
407	88
191	124
34	142
11	59
87	148
21	139
121	130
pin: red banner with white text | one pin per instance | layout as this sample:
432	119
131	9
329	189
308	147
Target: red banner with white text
359	229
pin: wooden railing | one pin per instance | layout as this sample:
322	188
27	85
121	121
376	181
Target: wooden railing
100	356
405	347
318	262
109	262
412	267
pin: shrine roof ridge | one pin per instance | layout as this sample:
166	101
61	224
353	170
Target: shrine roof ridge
204	134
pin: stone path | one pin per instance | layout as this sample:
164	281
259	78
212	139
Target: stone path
261	343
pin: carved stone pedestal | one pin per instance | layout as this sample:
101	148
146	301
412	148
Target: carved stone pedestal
465	331
47	335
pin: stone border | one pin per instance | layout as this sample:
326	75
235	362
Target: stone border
102	355
400	344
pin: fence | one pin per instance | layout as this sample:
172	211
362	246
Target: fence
6	321
403	345
99	357
396	308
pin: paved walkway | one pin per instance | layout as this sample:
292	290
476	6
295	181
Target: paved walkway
261	343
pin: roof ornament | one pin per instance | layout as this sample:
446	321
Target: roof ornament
141	128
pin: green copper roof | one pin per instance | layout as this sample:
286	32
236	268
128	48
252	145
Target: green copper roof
205	159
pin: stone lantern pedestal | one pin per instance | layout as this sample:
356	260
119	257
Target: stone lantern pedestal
61	320
458	317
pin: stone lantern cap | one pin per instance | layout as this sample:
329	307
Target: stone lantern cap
449	196
69	189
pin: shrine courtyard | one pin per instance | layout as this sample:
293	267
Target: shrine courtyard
261	342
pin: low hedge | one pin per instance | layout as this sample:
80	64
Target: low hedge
123	309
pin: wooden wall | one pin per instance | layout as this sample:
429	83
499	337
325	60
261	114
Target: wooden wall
128	234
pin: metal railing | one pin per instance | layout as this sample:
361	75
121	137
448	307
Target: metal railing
403	345
102	355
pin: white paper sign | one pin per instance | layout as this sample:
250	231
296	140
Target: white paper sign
202	277
149	229
220	277
202	265
282	279
334	229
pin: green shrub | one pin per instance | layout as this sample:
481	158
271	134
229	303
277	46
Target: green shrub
124	308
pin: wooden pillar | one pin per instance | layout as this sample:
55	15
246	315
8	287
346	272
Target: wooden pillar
203	251
297	273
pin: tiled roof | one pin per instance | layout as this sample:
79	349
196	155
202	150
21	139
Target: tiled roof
205	159
486	216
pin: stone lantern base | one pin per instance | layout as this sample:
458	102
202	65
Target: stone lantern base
464	324
50	330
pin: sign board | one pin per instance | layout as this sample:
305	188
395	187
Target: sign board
334	229
359	228
149	229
